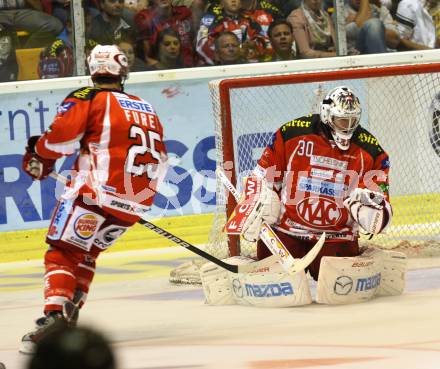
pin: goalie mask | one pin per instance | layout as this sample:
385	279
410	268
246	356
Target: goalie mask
108	61
341	111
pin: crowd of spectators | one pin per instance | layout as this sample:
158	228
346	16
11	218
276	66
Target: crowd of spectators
168	34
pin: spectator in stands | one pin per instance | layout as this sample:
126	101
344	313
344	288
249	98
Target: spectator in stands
271	7
136	6
287	6
197	7
8	60
227	49
135	64
387	4
109	27
57	8
56	61
73	348
230	17
281	39
27	15
415	24
168	50
151	21
131	8
370	27
313	30
262	12
435	13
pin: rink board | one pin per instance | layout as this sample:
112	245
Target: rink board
29	244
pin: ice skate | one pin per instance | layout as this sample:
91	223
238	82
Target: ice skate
45	325
70	312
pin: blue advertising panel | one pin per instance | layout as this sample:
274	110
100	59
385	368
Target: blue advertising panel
185	112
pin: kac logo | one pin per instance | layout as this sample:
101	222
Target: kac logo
319	212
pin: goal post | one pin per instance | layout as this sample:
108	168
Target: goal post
401	108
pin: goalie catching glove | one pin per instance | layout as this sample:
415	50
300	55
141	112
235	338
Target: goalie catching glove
33	164
369	209
258	204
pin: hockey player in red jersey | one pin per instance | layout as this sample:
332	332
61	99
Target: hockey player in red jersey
320	173
121	159
332	176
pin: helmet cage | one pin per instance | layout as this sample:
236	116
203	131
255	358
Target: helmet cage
343	130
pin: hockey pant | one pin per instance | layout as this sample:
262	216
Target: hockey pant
78	233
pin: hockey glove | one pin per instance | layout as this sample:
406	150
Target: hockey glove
369	209
259	204
34	165
267	211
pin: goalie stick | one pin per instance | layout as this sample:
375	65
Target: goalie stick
244	268
272	241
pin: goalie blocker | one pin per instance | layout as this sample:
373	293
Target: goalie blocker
345	280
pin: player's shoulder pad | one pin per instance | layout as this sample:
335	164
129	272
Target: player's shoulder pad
367	141
300	126
84	93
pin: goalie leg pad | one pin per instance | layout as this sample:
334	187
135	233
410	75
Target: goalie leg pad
356	279
271	287
216	281
347	280
393	269
274	288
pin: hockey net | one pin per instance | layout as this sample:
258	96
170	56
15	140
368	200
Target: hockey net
401	107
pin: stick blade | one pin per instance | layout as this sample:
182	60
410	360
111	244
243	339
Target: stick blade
304	262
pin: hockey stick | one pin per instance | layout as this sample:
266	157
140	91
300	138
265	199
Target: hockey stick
244	268
272	241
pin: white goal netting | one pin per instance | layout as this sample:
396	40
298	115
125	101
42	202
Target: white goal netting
401	107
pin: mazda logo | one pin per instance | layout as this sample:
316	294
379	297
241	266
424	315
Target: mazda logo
343	285
237	288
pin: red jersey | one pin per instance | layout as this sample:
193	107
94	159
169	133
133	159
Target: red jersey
150	24
314	177
212	24
121	149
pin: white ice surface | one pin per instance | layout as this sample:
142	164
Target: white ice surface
156	325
